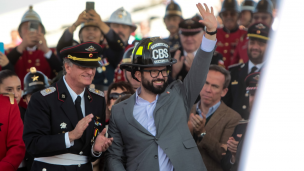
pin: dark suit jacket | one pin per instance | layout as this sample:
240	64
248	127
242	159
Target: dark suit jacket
236	97
226	160
140	148
43	134
218	130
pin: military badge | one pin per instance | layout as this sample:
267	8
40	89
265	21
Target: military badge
35	78
260	26
234	82
63	125
90	49
95	91
48	91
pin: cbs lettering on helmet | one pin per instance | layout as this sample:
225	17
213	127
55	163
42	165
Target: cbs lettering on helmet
160	53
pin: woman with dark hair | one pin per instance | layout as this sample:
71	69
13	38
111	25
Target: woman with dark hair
115	91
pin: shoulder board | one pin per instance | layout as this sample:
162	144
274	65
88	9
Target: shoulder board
95	91
234	65
48	91
243	121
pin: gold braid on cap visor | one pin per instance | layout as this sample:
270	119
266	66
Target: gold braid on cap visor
83	59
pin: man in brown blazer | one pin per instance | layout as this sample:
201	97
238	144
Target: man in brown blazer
212	122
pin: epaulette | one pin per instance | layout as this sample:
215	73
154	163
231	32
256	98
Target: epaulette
243	121
10	96
48	91
95	91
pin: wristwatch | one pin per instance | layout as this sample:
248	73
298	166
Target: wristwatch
211	33
201	136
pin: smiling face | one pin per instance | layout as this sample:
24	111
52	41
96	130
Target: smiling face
213	89
153	85
91	34
80	76
191	43
256	50
12	85
229	19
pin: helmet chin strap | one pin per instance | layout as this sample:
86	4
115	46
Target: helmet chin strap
133	74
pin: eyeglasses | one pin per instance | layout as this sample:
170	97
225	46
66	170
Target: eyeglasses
155	73
229	13
115	96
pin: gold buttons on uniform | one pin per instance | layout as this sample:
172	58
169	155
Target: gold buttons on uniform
225	51
226	44
227	35
29	61
121	44
224	58
27	70
118	41
81	153
244	106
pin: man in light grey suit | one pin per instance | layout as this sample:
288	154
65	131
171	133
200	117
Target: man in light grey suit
150	128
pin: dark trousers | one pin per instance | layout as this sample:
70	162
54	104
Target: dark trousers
38	166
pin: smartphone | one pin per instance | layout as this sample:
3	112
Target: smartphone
89	6
33	26
2	47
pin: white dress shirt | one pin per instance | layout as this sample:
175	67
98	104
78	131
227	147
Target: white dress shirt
250	65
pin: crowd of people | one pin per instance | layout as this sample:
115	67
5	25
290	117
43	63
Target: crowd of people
180	103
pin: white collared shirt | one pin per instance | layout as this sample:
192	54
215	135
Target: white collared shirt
68	144
250	65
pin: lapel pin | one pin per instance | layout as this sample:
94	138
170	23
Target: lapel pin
63	96
168	92
63	125
89	97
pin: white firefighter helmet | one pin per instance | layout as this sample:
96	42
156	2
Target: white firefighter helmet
31	15
121	16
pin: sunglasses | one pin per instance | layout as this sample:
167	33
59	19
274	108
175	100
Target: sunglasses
115	96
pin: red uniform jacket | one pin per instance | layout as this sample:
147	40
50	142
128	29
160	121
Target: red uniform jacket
119	75
12	148
227	42
240	54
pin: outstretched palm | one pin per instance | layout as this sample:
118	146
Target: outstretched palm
209	19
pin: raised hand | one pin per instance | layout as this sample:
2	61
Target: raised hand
42	45
102	143
80	127
3	60
209	19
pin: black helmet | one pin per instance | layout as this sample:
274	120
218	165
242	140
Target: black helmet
150	52
34	81
248	5
230	5
173	9
264	6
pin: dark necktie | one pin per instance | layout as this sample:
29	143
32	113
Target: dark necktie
253	69
78	108
79	113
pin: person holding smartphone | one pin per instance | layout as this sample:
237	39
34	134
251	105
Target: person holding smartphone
93	29
33	51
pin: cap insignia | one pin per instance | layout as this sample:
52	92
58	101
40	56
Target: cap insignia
258	32
189	22
90	49
33	69
35	78
260	26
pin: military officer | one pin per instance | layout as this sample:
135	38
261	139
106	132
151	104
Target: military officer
191	32
95	30
172	18
262	13
64	124
237	97
228	36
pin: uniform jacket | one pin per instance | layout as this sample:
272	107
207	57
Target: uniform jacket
43	133
12	148
174	42
217	59
225	163
227	42
140	148
240	54
112	53
219	128
237	97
